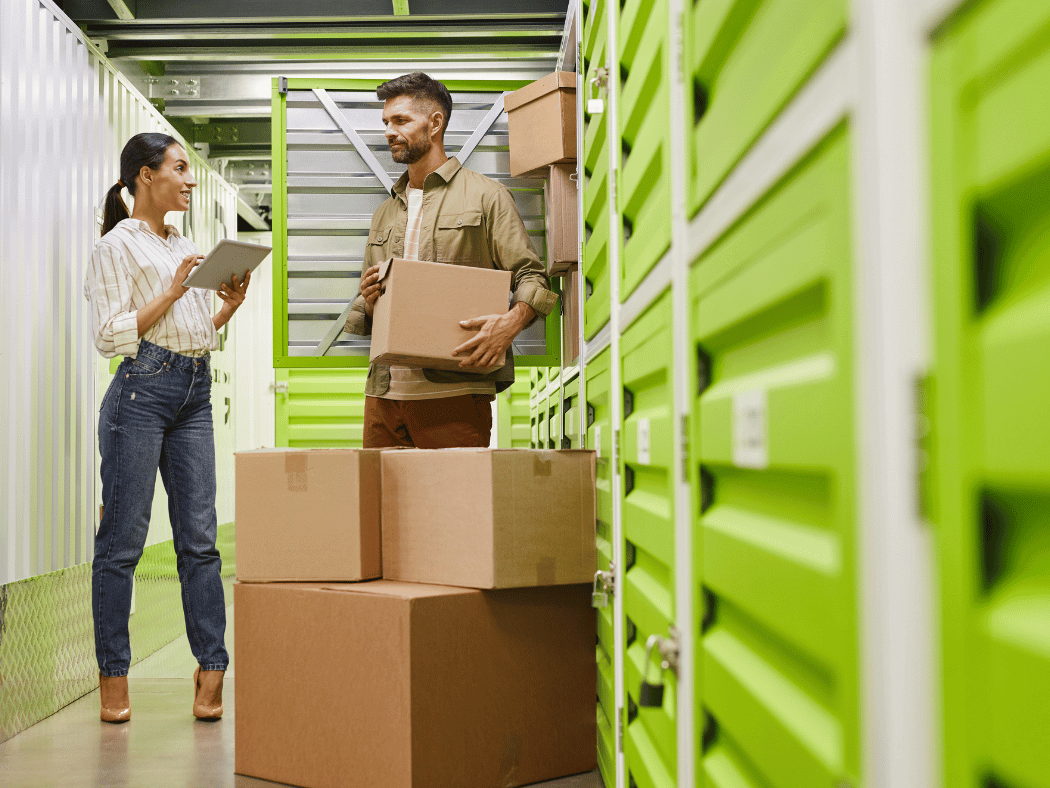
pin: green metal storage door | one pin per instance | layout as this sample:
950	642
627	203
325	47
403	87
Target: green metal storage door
599	438
650	743
645	139
746	59
319	408
990	83
776	659
596	176
512	409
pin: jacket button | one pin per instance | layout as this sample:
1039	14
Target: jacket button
459	221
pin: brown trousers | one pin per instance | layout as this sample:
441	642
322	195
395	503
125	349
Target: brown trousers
443	423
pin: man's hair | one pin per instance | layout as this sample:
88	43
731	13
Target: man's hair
420	87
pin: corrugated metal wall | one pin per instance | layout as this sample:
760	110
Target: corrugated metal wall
65	113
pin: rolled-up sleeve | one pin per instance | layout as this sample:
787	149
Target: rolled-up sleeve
358	321
107	286
512	250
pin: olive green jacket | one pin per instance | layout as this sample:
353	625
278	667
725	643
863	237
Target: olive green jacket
467	219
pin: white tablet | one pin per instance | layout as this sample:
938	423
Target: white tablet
226	260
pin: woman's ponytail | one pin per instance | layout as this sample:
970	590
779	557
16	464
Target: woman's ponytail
116	209
143	150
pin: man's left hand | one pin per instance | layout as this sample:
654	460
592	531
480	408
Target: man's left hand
495	333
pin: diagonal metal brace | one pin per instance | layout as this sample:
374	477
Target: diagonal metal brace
334	331
355	139
483	128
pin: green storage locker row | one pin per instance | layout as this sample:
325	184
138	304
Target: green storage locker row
645	139
746	59
572	416
321	408
650	743
595	165
990	487
598	413
772	327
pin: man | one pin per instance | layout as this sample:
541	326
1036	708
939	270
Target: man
441	212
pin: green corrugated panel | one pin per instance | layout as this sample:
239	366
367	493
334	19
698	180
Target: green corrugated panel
645	105
599	437
772	306
322	408
648	527
594	27
595	268
747	58
991	418
573	415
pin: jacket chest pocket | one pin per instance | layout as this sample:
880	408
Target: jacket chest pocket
377	243
460	238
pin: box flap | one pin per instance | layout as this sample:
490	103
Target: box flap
541	87
384	268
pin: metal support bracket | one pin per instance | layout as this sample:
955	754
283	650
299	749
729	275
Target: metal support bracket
355	139
334	331
483	128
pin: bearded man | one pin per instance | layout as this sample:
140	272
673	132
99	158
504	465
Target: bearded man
439	211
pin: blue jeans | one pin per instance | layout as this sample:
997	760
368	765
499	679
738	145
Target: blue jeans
157	414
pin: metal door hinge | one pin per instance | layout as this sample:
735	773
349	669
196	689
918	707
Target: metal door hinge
684	427
922	438
622	716
279	388
282	85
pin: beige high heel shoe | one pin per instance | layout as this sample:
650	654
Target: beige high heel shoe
116	705
207	699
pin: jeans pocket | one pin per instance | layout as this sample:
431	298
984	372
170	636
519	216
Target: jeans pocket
145	365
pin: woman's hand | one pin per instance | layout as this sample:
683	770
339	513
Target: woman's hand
232	294
177	291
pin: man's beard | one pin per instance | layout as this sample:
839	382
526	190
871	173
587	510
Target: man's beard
412	152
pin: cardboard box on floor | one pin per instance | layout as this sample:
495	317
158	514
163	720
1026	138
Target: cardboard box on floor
489	518
308	514
403	685
416	320
541	123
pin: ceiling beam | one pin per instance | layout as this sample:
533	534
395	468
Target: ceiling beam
124	9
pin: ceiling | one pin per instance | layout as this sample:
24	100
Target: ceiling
209	67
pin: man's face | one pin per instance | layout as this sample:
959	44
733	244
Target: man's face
408	128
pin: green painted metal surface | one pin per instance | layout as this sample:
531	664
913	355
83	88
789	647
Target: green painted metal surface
596	203
512	409
772	326
321	408
648	529
598	413
990	483
746	59
572	415
645	139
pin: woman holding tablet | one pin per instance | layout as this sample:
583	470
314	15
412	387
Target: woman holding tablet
156	414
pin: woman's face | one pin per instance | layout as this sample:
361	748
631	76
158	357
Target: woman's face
170	185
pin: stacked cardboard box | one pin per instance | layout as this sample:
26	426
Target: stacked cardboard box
471	664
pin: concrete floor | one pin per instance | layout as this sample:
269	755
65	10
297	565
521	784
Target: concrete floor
162	746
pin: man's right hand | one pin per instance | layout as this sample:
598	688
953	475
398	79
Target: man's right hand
370	288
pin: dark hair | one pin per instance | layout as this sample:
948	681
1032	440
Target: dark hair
143	150
419	86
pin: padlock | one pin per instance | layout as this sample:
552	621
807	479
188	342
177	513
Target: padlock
595	106
651	696
599	598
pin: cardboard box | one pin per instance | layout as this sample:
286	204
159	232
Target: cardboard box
570	298
559	197
416	319
489	518
402	685
308	514
541	120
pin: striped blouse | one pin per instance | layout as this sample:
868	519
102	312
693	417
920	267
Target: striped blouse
132	265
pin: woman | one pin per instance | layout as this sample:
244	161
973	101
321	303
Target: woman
156	414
